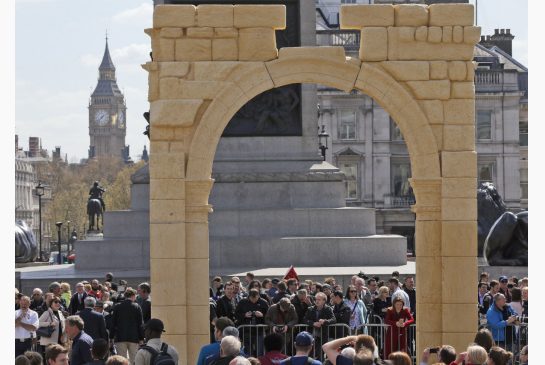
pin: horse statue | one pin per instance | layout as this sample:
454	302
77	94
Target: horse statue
503	235
94	210
26	248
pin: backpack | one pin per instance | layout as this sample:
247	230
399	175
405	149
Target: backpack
159	358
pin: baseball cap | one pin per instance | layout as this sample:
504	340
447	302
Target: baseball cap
155	324
304	339
503	278
326	286
275	281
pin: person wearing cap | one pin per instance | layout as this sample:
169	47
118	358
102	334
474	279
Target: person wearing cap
304	342
153	329
503	288
95	324
214	348
274	288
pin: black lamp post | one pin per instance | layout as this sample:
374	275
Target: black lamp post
59	225
40	191
68	236
322	138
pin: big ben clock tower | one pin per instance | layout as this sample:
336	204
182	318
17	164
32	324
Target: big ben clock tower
107	113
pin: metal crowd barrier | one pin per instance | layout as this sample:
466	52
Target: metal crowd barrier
515	338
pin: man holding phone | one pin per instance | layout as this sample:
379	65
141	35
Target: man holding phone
445	354
499	318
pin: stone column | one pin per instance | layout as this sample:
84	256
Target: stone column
429	262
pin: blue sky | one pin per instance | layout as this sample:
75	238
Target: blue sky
59	45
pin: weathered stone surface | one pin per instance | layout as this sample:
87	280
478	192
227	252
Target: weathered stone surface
314	65
167	211
260	16
457	70
374	44
427	238
174	113
462	90
433	314
459	111
225	32
459	187
457	34
447	34
169	88
215	15
256	44
175	69
163	49
167	189
224	49
472	35
459	164
459	323
437	130
406	34
195	322
360	16
458	138
163	273
196	268
457	271
421	34
438	70
435	34
459	340
174	16
429	267
168	240
200	32
174	316
196	234
410	15
167	166
434	89
171	32
470	68
459	209
408	70
193	50
459	238
162	133
451	14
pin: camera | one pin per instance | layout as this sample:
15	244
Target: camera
279	328
434	350
521	319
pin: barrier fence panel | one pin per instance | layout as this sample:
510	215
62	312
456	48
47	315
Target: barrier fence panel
387	338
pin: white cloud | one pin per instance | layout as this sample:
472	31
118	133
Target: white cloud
129	56
142	13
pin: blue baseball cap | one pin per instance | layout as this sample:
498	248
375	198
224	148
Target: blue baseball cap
304	339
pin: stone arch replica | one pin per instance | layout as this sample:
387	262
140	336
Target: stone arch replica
416	61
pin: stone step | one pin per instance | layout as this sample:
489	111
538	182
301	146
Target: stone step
126	224
258	253
108	254
346	221
278	194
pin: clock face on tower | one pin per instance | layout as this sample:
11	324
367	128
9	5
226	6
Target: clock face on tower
121	119
101	117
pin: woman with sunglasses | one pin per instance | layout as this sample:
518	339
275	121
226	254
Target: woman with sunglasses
358	312
54	318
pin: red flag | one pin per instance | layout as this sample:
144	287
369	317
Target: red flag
291	274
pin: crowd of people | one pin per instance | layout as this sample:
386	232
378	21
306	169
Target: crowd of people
267	322
100	323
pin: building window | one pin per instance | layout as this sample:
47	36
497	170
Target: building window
348	1
395	132
523	133
484	124
347	125
401	172
485	172
350	170
524	183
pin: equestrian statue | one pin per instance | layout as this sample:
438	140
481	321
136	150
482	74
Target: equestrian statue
95	206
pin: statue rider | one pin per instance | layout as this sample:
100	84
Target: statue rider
96	193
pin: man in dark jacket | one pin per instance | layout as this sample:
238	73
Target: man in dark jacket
77	300
342	314
127	326
95	325
301	302
409	288
81	341
144	301
251	311
281	293
319	317
225	307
